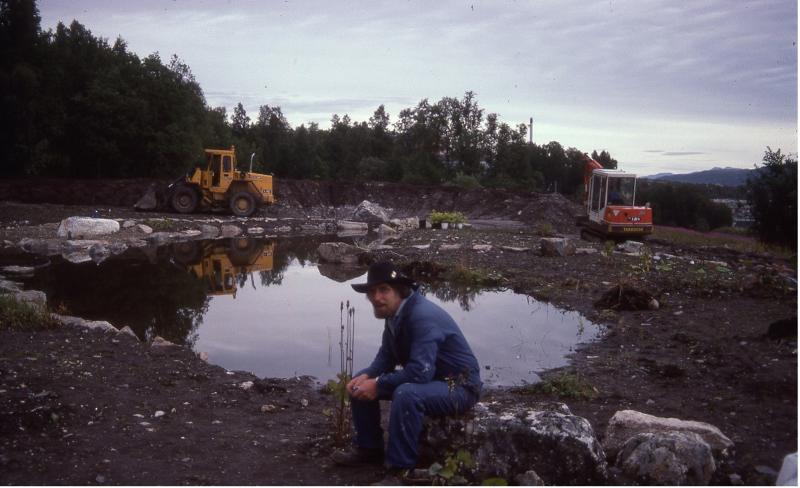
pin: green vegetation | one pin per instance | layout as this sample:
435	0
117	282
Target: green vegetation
719	239
565	385
16	315
449	217
683	205
474	278
545	229
772	194
158	224
455	465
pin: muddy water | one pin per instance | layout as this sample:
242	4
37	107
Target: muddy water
267	307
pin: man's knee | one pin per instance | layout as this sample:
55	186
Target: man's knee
406	394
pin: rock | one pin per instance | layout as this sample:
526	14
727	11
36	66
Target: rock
159	413
482	247
145	229
149	200
340	273
303	402
556	246
9	286
230	230
283	229
191	233
82	227
100	479
385	229
631	247
128	224
653	304
77	257
421	247
585	250
403	225
515	249
159	341
86	324
162	237
128	331
529	478
788	473
47	247
352	226
628	423
257	231
203	356
367	211
548	439
268	408
35	298
99	253
209	231
450	247
667	458
339	252
246	385
18	270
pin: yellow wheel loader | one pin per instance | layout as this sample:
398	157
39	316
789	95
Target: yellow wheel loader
221	185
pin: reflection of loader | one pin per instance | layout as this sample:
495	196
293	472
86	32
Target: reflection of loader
221	265
220	184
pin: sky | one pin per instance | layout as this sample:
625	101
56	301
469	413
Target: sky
663	85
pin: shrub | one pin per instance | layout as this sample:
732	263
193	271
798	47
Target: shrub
451	217
16	315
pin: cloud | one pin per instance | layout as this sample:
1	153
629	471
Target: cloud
682	153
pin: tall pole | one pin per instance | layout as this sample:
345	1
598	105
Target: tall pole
531	129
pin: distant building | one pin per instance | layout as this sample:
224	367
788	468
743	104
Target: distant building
742	214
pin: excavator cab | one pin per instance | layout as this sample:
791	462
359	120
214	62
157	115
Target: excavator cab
610	203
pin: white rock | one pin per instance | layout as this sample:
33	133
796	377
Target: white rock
482	247
585	250
34	298
128	331
159	413
268	408
191	233
450	247
556	246
9	286
421	247
18	270
370	212
128	223
788	474
230	230
348	225
82	227
667	458
209	230
515	249
246	385
631	247
145	229
159	341
255	230
627	423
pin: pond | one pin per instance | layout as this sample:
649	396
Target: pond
267	307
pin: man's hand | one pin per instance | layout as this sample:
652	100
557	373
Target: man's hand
365	390
353	385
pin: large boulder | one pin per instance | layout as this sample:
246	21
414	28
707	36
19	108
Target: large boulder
340	273
628	423
149	200
338	252
367	211
83	227
556	246
559	447
667	458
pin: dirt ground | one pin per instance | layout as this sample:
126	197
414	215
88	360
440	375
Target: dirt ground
85	407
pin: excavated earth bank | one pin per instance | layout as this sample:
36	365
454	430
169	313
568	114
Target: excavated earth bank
80	406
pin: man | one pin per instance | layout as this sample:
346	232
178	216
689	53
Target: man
439	377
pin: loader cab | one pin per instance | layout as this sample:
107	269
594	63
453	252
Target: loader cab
610	188
220	164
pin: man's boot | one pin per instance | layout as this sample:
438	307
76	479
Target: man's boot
358	456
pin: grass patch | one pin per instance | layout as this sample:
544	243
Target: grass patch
158	224
545	229
565	385
16	315
722	238
463	276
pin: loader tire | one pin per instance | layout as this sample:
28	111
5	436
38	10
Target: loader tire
184	199
243	204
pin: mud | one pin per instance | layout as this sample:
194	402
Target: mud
72	402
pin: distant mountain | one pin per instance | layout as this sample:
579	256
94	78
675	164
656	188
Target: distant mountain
715	176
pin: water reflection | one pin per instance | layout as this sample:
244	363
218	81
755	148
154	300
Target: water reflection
264	305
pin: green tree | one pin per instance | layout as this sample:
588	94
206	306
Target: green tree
772	194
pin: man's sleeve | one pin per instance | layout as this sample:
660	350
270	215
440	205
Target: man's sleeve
421	366
384	361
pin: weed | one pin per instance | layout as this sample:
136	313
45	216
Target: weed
545	229
451	217
464	276
158	224
338	387
16	315
453	470
566	385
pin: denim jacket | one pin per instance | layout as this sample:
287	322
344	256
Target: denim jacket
429	345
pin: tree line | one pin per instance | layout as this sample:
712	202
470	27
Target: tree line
75	105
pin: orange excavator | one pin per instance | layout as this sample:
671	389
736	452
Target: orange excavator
610	205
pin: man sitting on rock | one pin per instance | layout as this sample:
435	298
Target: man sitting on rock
440	375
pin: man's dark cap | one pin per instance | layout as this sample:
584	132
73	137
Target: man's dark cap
384	272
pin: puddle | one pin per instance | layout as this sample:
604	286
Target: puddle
264	306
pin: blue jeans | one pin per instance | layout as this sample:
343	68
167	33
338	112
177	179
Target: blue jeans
411	402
